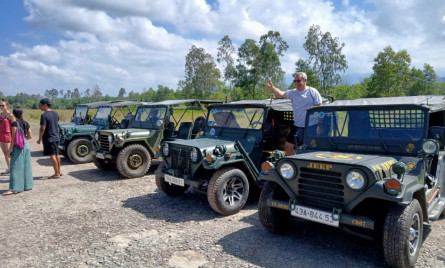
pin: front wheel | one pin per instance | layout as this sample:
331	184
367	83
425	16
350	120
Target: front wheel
402	234
79	151
133	161
273	219
228	191
167	188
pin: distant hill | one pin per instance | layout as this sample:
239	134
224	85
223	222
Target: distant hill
441	79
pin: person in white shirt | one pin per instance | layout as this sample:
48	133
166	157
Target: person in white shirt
302	98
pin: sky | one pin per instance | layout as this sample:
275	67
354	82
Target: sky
138	44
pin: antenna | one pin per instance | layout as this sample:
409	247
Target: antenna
423	80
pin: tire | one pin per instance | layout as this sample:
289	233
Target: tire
273	219
167	188
103	165
402	234
133	161
79	151
228	191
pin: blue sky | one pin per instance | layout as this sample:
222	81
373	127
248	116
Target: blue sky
137	44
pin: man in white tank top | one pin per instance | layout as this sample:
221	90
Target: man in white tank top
302	98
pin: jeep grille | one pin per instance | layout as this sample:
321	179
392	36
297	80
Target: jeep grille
320	188
103	142
180	159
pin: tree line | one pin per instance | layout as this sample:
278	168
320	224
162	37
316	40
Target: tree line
246	69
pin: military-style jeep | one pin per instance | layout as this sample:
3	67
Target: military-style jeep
131	150
225	161
373	167
76	138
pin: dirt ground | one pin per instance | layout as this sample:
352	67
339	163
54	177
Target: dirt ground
91	218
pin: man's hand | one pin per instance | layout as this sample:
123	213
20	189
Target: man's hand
270	85
38	141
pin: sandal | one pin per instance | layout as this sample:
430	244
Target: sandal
9	193
54	177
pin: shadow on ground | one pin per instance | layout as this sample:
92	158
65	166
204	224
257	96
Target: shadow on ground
330	246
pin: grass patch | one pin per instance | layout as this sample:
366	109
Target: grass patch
33	115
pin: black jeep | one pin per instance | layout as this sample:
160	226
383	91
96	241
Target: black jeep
373	167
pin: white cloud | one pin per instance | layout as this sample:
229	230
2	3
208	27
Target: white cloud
139	44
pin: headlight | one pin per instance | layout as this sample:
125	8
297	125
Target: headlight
165	150
96	136
194	155
356	180
287	170
110	138
430	147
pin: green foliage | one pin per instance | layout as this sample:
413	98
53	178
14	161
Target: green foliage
325	55
391	72
259	63
201	75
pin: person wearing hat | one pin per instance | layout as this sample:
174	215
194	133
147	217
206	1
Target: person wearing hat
49	135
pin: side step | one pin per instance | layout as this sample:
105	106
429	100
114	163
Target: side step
436	208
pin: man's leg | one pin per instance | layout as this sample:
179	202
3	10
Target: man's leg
289	148
5	150
55	163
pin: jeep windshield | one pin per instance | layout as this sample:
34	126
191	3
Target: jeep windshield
80	112
150	115
236	117
381	129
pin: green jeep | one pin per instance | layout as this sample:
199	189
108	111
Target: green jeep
225	161
76	138
372	167
131	150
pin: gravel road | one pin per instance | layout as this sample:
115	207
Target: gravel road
91	218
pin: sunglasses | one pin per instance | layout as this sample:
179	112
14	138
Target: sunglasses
2	105
298	80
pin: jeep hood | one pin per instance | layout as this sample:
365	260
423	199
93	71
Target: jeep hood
82	128
369	161
209	143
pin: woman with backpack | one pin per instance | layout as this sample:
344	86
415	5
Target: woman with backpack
20	175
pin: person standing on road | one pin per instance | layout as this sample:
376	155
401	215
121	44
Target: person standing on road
49	135
20	176
6	118
302	98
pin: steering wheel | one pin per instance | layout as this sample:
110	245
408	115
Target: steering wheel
114	123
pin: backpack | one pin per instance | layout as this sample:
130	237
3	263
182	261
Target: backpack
19	138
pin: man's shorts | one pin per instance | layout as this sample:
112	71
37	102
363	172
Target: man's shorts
51	148
295	135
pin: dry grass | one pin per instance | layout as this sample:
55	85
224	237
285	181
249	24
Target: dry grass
33	115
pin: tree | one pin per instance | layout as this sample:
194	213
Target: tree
391	74
258	63
122	92
325	55
51	94
75	94
225	57
201	74
86	93
97	93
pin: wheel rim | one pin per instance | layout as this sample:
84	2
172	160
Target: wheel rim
414	235
82	150
233	191
134	161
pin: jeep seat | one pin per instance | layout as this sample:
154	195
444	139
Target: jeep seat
185	130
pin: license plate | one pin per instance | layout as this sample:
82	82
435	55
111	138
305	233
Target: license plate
100	155
174	180
314	215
